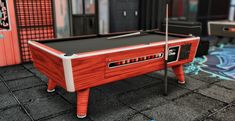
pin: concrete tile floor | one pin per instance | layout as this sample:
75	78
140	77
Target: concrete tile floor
23	97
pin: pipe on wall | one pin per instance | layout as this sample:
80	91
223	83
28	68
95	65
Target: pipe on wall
232	11
103	16
62	15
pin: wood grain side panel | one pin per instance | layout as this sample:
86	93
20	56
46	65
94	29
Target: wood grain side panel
88	71
134	69
94	71
49	65
148	66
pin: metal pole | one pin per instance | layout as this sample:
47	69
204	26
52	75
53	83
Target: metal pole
166	52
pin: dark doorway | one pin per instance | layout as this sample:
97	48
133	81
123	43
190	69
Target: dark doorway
124	15
84	17
152	13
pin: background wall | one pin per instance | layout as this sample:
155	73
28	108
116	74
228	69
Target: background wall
62	21
232	10
103	16
9	47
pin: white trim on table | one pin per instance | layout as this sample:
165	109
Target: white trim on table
209	28
196	49
44	49
68	72
67	66
222	22
87	54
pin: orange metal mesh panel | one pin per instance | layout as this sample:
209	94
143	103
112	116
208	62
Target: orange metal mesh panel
35	22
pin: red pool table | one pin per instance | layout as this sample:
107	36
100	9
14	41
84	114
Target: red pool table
80	63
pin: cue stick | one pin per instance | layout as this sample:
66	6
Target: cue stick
125	35
166	52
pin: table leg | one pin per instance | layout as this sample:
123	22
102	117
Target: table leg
51	86
179	72
82	103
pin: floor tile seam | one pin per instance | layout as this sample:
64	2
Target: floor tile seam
17	78
205	87
56	114
26	88
118	98
28	63
15	70
10	106
63	97
125	81
44	98
224	103
11	71
149	86
1	78
182	96
21	105
149	76
233	102
186	83
224	86
209	86
203	79
135	114
212	98
24	102
169	82
136	111
159	78
47	84
32	73
210	115
156	106
140	88
220	107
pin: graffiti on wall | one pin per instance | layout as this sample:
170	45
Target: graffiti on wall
4	18
219	63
